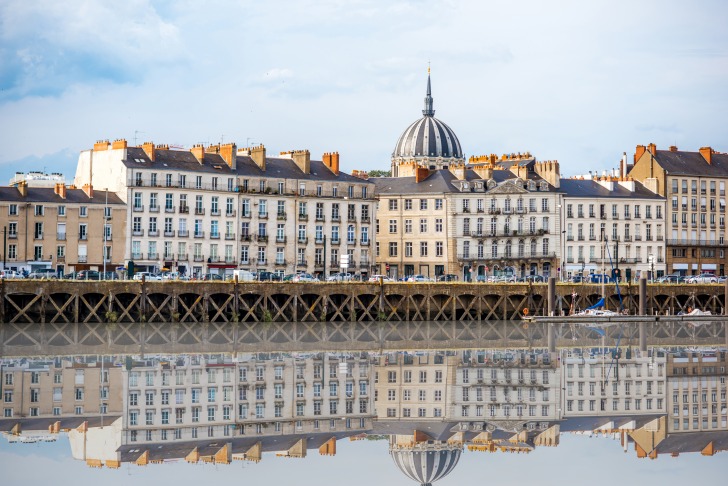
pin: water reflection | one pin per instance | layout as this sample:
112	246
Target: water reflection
431	406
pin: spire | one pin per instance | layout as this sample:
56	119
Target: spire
429	110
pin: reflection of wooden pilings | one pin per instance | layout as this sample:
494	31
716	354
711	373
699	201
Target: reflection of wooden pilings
643	297
643	336
551	338
552	295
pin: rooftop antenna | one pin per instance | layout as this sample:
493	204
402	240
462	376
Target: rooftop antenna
136	132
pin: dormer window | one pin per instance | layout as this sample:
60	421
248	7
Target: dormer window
544	186
491	184
465	186
531	186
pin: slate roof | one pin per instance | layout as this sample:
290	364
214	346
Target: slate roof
47	195
693	442
591	188
439	181
184	160
692	163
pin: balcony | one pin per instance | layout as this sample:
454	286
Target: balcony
262	238
59	236
199	234
302	263
184	209
137	209
364	263
182	257
136	256
183	233
570	238
84	258
335	218
137	232
245	237
627	216
627	238
366	219
153	209
229	236
302	240
245	214
637	237
153	256
466	210
213	259
281	216
153	233
229	259
320	218
230	213
280	262
335	241
169	234
319	241
503	256
263	215
198	258
245	261
168	256
169	209
698	242
302	216
351	218
215	212
215	235
280	239
13	236
364	242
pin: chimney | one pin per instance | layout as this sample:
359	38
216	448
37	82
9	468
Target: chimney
421	173
458	170
101	145
331	160
302	158
549	171
258	156
623	166
119	143
60	189
89	190
707	154
199	152
673	148
148	148
653	149
485	172
229	153
23	188
638	152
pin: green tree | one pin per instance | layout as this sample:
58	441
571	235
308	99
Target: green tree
380	173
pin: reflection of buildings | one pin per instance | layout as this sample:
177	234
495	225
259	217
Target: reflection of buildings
597	382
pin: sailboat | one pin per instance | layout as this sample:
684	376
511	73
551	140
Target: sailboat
599	309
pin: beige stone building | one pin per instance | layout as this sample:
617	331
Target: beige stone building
62	228
215	209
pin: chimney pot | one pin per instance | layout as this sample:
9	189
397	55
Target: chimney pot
707	154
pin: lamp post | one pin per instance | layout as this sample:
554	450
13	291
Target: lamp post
563	254
106	219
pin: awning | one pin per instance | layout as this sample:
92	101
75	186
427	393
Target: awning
708	266
679	266
222	265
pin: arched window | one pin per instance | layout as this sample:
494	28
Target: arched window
533	248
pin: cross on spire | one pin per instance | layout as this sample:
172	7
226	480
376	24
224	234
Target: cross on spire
429	110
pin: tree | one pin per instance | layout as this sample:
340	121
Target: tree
380	173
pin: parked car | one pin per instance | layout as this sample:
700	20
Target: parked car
304	277
289	277
43	273
419	278
147	276
383	278
722	279
339	277
211	277
599	278
447	278
268	277
702	278
10	274
87	275
532	278
669	279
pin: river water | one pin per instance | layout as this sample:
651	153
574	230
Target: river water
415	404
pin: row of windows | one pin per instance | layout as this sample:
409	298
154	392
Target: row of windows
627	404
683	184
628	211
424	204
628	388
57	411
423	226
39	210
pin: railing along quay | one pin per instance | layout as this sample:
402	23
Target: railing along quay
58	301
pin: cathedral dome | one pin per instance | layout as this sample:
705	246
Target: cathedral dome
428	142
427	464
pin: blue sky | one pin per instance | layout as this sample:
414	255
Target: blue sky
576	81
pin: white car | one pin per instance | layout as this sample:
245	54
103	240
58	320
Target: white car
147	276
10	274
304	277
702	278
339	277
377	278
419	278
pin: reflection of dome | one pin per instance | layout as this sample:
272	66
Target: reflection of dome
426	463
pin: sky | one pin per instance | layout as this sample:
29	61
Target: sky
573	81
595	461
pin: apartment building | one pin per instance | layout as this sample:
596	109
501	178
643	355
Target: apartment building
612	224
597	382
693	184
490	217
214	209
61	228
